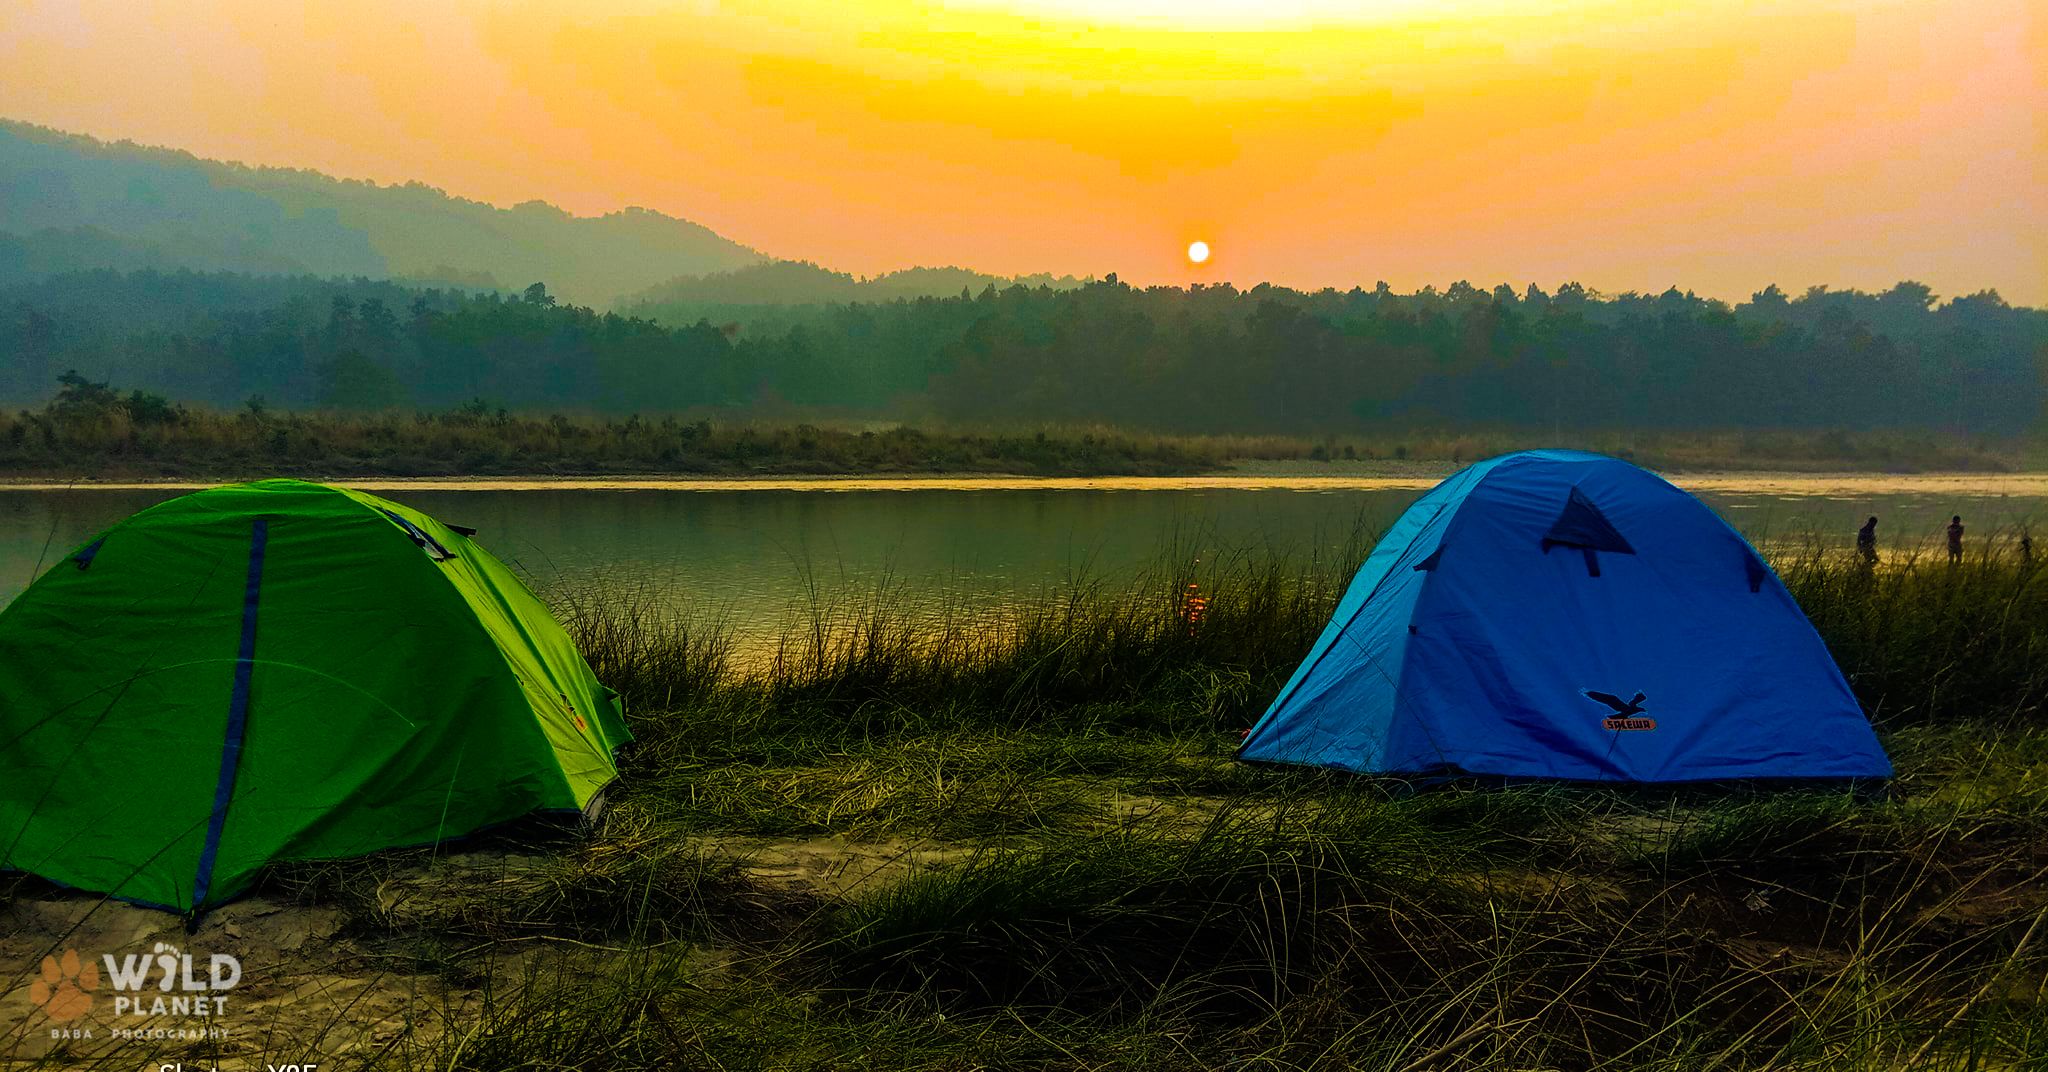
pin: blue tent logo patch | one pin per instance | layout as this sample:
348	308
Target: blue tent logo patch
1627	713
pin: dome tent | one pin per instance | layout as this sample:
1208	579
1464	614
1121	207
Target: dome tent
280	671
1561	615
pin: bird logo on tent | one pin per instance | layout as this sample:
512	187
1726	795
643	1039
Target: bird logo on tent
1625	711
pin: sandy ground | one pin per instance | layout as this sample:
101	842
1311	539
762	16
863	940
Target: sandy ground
318	986
305	992
835	867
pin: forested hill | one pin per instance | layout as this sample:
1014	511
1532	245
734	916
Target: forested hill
1208	359
789	292
69	202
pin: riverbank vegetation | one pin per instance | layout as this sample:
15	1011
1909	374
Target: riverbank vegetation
96	431
1023	844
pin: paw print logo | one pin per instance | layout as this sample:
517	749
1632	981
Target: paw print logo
63	989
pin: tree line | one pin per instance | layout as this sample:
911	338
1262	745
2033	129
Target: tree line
1205	358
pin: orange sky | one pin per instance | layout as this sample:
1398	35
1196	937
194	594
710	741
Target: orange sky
1718	146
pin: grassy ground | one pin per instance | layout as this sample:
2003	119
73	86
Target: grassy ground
124	440
1025	846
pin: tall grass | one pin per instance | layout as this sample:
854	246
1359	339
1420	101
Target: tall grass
1918	638
641	647
1924	639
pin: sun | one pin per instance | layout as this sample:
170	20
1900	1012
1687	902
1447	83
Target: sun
1201	14
1198	252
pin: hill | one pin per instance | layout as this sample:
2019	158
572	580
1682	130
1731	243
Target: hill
69	202
749	294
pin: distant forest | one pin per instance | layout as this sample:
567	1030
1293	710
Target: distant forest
777	294
1208	358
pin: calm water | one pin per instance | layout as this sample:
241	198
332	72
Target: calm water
759	554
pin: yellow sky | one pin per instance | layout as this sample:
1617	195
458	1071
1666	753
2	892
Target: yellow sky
1630	145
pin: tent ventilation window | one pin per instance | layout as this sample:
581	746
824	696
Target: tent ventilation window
419	536
1583	526
84	557
1756	570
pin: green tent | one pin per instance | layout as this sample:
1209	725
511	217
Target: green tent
280	671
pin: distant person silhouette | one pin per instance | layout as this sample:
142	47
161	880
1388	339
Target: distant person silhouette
2026	546
1955	538
1866	542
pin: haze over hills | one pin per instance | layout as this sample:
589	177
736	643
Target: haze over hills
69	202
749	293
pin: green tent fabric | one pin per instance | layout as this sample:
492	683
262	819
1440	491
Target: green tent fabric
280	671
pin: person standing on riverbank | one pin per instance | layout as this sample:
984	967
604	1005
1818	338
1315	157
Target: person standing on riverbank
1955	539
1866	543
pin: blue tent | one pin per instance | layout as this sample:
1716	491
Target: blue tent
1554	614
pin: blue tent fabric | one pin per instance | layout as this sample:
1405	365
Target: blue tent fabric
1465	646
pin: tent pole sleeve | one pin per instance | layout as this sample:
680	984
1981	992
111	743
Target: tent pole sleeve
238	715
